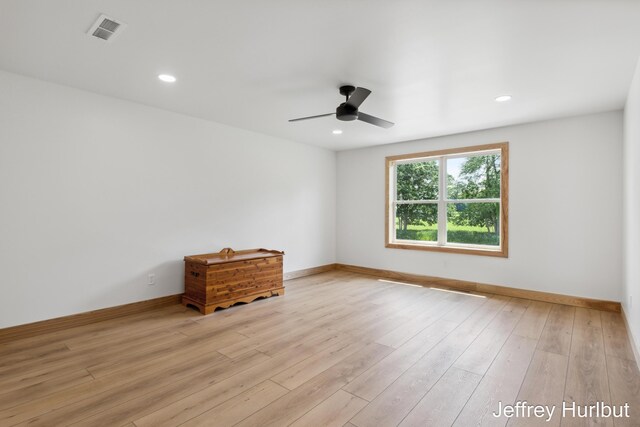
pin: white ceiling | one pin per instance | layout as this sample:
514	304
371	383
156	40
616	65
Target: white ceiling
434	67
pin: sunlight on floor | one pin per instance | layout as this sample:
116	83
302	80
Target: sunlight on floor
400	283
458	292
435	289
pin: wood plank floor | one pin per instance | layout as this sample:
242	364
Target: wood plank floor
339	349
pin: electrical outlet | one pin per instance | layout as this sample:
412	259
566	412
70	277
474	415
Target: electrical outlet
152	280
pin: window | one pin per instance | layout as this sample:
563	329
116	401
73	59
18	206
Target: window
450	200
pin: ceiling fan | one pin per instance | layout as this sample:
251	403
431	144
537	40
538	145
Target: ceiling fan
348	110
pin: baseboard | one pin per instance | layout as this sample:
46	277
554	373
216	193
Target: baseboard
309	271
60	323
66	322
81	319
632	341
485	288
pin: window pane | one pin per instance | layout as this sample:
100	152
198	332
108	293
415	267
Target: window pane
417	181
417	222
474	223
474	177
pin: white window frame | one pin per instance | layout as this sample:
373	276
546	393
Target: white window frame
443	200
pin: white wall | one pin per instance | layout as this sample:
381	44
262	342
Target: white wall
565	209
631	298
96	193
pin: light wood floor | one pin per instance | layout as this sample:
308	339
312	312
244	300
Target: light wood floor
338	349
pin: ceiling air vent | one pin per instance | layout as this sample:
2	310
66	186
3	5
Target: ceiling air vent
106	28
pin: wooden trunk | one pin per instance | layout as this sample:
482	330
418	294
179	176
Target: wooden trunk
228	277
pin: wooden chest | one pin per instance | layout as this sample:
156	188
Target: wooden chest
225	278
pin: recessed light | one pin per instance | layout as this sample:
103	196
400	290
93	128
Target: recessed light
167	78
503	98
337	132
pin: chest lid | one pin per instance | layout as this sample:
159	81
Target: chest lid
229	255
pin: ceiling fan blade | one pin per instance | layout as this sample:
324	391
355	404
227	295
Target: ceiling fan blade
358	97
374	120
312	117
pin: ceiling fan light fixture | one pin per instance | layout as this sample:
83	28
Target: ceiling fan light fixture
346	112
167	78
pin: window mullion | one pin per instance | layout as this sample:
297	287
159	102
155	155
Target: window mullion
416	202
442	204
473	200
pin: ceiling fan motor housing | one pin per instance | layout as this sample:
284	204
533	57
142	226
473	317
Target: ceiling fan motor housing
346	112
